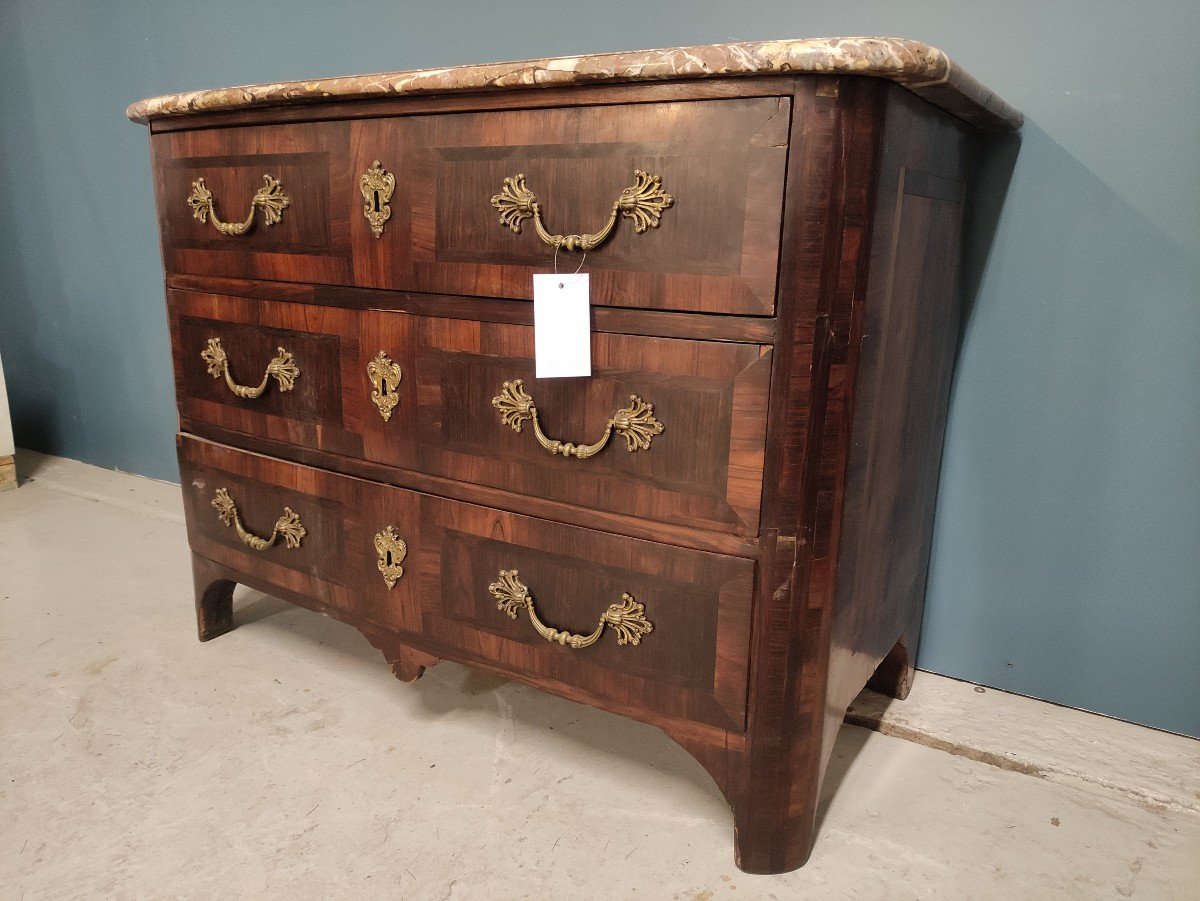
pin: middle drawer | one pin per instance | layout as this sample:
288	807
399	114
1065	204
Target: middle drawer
666	429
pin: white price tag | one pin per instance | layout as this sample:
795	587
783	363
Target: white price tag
562	325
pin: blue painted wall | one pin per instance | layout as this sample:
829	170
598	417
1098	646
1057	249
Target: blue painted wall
1067	555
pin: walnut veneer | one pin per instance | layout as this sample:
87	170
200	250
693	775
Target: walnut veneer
792	319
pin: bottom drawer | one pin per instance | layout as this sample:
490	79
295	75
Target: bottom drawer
651	627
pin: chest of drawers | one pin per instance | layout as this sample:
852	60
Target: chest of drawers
724	531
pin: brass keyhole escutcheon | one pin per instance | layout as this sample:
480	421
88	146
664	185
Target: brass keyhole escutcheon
384	376
391	550
376	187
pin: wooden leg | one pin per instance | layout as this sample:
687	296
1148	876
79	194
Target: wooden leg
768	838
774	784
214	598
894	676
774	823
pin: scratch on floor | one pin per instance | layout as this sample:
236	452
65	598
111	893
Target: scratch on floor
874	720
958	749
96	667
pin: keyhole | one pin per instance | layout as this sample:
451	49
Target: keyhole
383	389
375	194
390	561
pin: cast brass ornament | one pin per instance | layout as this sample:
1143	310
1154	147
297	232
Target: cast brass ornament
377	185
385	379
282	368
269	198
643	202
392	550
287	525
635	423
627	619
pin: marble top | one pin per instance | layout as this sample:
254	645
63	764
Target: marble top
924	70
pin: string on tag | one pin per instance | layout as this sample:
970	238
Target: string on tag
578	269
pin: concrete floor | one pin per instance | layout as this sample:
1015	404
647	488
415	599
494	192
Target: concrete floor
284	761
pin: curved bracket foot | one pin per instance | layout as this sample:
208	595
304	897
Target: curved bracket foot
772	833
214	598
894	675
718	761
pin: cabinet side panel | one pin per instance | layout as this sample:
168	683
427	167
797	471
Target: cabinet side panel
904	333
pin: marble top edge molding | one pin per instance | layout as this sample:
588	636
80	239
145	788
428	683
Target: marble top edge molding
926	71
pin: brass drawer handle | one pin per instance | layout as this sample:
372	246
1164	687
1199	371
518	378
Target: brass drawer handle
287	525
635	423
269	198
643	202
627	619
282	368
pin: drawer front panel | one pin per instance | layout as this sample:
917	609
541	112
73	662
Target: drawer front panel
698	442
310	239
317	401
691	664
264	491
714	248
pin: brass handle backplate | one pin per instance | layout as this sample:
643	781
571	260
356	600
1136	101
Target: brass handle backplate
269	198
288	526
627	619
643	202
635	423
282	368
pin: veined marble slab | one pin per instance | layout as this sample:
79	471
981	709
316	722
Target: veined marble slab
924	70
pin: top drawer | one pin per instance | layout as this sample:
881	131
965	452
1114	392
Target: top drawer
299	224
714	248
708	202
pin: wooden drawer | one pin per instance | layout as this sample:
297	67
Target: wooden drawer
311	567
715	247
315	401
311	163
698	453
427	404
692	664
